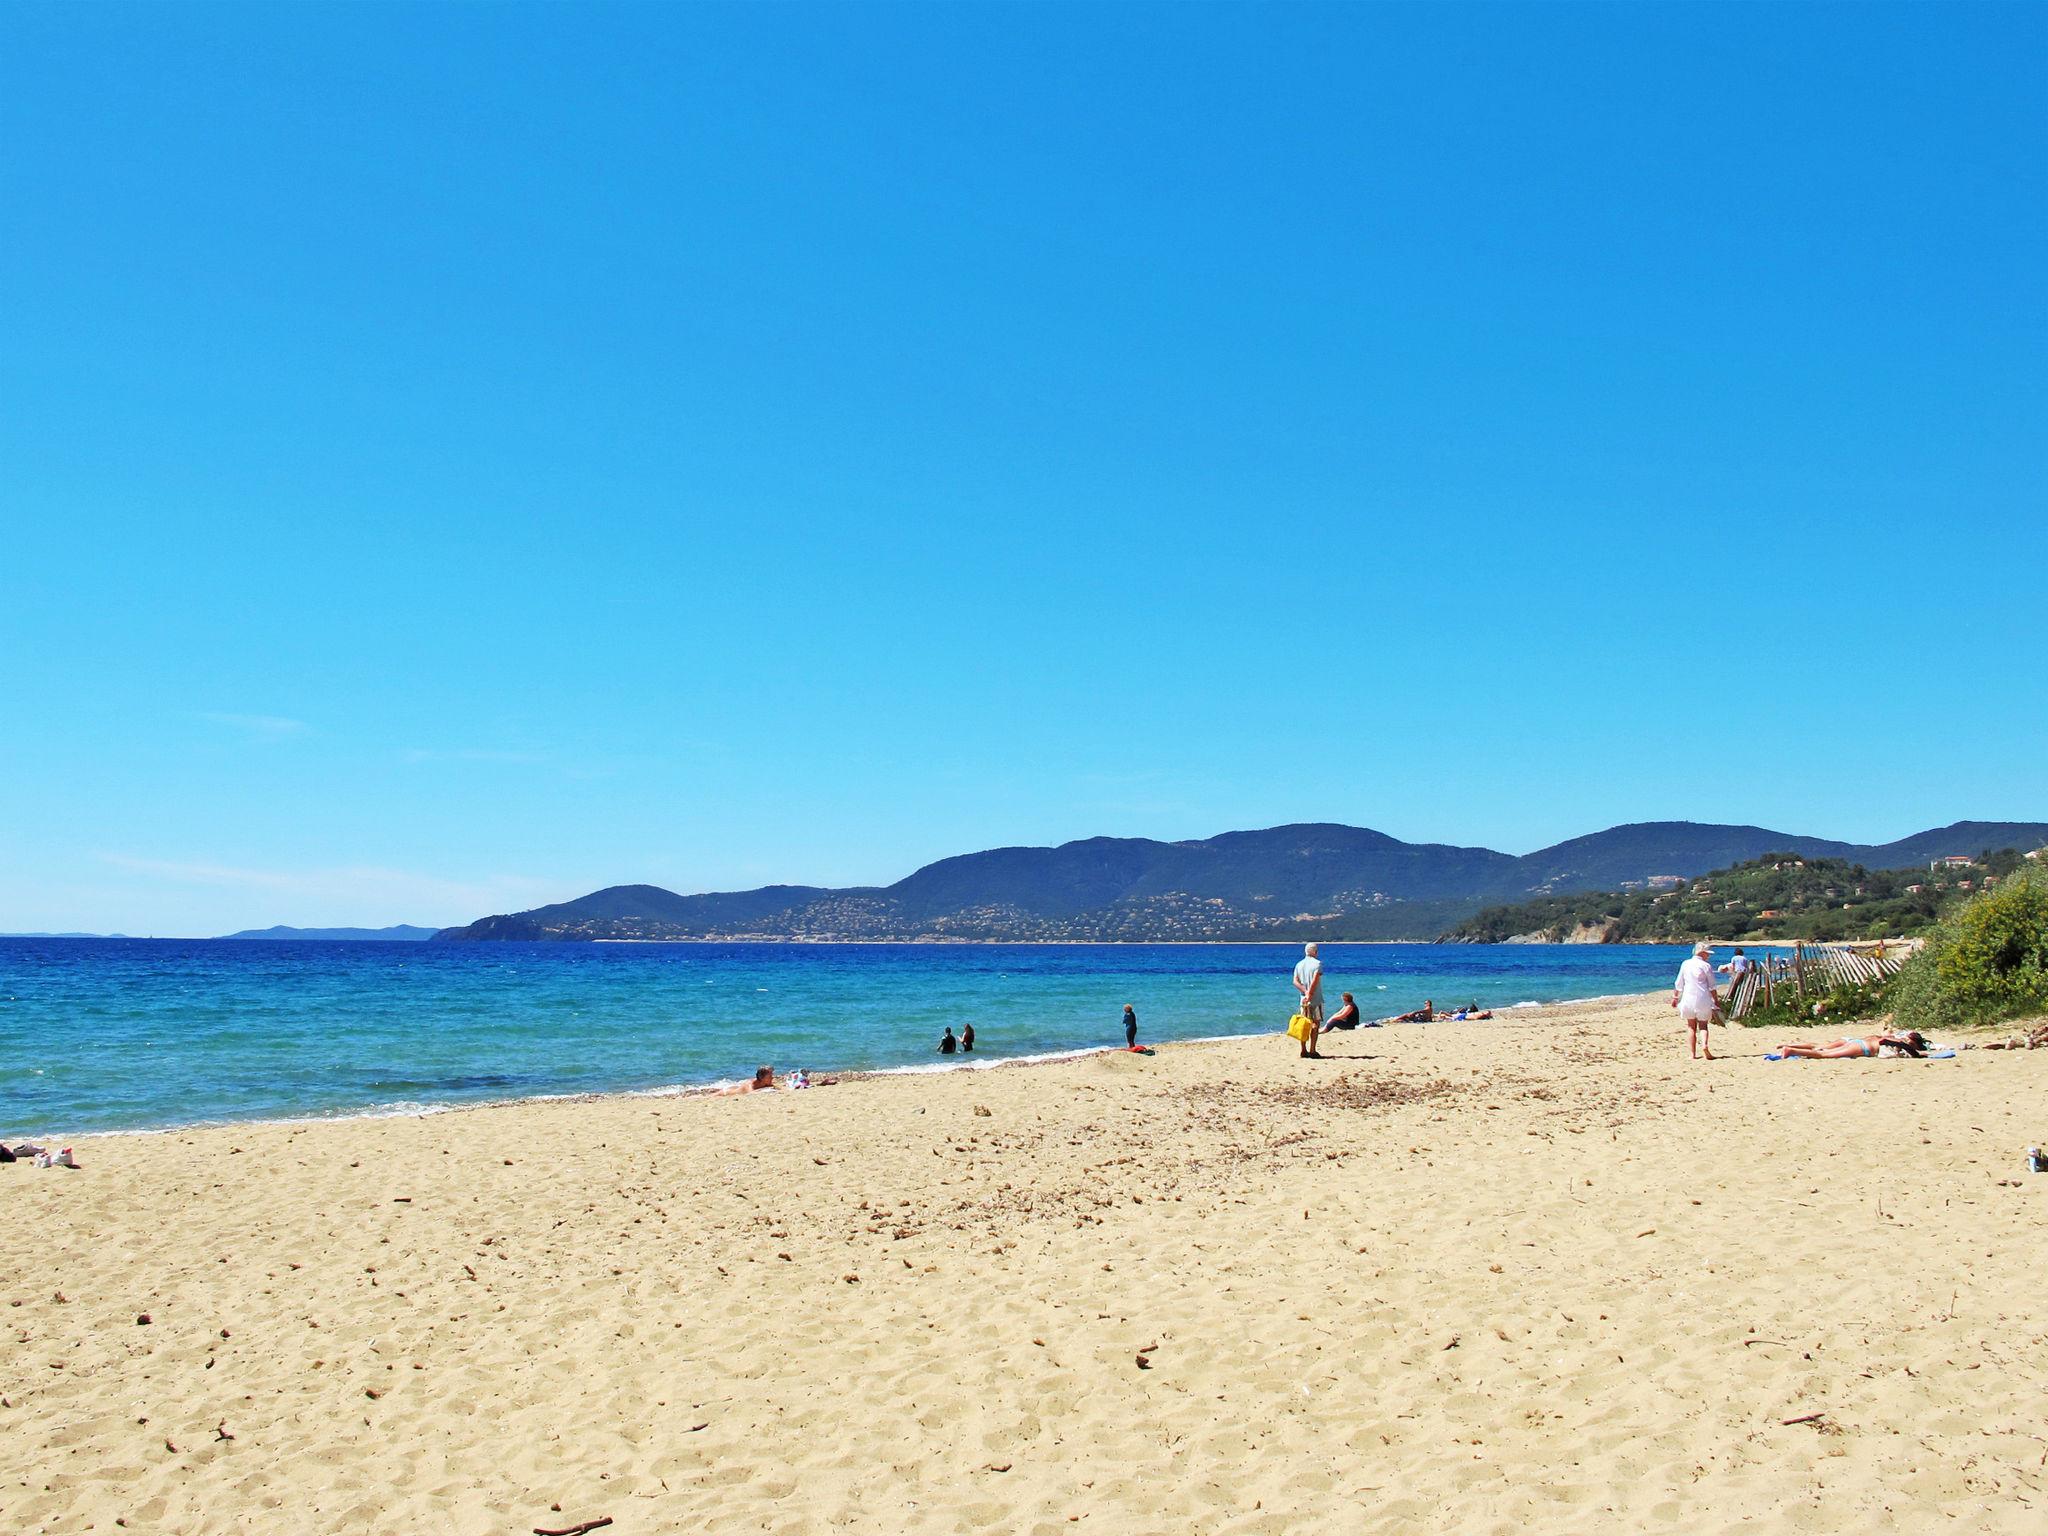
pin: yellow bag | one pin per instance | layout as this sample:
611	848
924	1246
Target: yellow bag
1298	1027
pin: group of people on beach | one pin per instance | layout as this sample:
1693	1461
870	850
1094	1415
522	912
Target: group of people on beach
1308	986
1693	994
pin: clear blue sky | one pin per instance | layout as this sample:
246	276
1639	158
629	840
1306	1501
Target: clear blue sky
457	457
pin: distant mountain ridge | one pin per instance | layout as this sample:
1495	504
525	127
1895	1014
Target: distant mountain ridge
399	931
1319	880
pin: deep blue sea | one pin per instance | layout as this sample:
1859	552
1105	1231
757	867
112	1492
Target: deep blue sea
131	1034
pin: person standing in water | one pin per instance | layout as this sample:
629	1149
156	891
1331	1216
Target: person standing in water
947	1044
966	1037
1130	1028
1308	981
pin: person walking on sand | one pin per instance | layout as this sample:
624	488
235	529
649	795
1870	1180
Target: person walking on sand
1130	1028
1308	981
1693	996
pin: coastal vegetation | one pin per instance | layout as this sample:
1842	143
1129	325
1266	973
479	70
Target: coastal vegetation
1984	963
1780	896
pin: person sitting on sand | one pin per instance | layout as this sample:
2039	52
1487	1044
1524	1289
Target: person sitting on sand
764	1082
947	1044
1345	1017
1911	1043
1426	1014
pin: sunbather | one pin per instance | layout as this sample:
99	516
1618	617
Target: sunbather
1911	1043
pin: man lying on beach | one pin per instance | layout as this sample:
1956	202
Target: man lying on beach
764	1081
2034	1040
1426	1014
1911	1043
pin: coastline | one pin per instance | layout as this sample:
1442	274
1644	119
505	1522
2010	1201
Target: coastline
974	1062
1542	1273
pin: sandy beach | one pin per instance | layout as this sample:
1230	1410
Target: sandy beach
1542	1274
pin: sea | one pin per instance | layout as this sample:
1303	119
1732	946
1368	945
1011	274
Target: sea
102	1035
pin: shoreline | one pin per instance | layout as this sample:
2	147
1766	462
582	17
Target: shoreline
407	1110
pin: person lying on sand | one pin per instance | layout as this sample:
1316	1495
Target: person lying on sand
2034	1040
1470	1011
1911	1043
1426	1014
43	1156
1345	1017
764	1081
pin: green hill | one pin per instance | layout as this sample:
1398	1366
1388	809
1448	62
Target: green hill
1314	880
1781	895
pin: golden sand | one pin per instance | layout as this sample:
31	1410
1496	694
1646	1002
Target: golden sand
1543	1274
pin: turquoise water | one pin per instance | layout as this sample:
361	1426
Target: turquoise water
105	1034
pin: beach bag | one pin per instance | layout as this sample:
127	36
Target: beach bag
1298	1027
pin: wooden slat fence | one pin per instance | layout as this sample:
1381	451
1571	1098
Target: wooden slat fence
1817	968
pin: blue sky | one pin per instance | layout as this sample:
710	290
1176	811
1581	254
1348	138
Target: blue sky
457	457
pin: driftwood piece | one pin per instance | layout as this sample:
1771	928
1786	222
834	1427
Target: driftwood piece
1805	1418
573	1530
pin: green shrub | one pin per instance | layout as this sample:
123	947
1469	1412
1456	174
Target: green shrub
1987	962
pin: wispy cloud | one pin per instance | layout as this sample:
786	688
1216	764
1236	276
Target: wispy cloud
389	894
258	727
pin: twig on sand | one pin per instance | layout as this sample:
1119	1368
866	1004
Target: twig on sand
1779	1342
1805	1418
573	1530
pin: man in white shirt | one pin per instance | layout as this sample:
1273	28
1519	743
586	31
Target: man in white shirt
1693	996
1308	981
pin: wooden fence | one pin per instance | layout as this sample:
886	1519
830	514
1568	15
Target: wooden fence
1816	968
